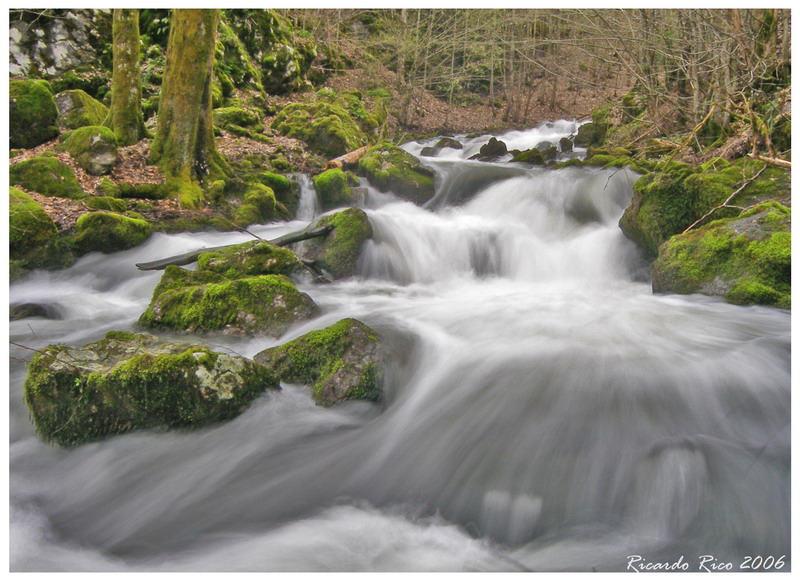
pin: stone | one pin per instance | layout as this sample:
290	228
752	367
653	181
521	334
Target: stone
392	169
339	251
46	175
94	147
32	113
107	232
78	109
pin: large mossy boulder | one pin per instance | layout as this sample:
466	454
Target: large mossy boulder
76	108
668	200
392	169
128	382
333	189
29	226
341	362
286	191
46	175
250	259
258	206
235	116
107	232
327	128
746	259
338	252
207	301
32	113
94	147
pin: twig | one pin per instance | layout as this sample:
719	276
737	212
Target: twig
725	204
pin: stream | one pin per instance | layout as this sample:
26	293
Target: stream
543	410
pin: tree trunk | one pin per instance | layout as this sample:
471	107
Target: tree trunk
126	120
184	145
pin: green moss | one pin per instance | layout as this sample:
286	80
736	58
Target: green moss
108	232
267	304
106	203
108	188
250	259
746	259
338	252
258	206
328	129
32	113
608	161
531	156
339	362
131	382
94	147
29	225
148	191
225	116
392	169
333	189
46	175
78	109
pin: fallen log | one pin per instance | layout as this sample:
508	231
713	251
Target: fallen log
774	161
347	160
191	256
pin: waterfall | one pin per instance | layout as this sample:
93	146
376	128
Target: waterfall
543	410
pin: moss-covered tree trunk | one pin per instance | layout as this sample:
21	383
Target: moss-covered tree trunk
184	145
126	118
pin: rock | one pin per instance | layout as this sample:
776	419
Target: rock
32	113
109	203
392	169
341	362
429	151
286	191
251	259
491	151
128	382
258	206
333	189
108	232
29	226
26	310
206	301
338	252
327	128
543	145
532	156
449	142
46	175
77	109
746	259
94	147
565	145
226	116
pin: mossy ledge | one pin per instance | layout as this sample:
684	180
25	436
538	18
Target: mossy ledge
341	362
392	169
128	382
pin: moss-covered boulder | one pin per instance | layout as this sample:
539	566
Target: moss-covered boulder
206	301
565	145
46	175
333	189
532	156
341	362
32	113
238	116
250	259
258	206
108	232
94	147
287	192
77	109
327	128
491	151
338	252
392	169
746	259
668	200
106	203
128	382
29	226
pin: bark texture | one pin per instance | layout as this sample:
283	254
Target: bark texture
126	118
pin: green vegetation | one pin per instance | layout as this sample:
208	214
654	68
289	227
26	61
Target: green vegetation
250	259
46	175
328	129
77	109
128	382
392	169
29	226
107	232
338	252
32	113
339	363
106	203
333	189
94	147
258	206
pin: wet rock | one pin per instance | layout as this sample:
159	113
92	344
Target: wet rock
341	362
333	189
338	252
532	156
392	169
258	206
565	145
128	382
449	142
26	310
108	232
491	151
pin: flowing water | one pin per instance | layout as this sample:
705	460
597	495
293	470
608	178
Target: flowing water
543	409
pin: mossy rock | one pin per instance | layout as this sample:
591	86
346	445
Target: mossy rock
127	382
106	203
46	175
746	259
258	206
287	192
108	232
205	301
29	226
77	109
449	142
392	169
147	190
532	156
341	362
333	189
671	198
328	129
591	134
32	113
250	259
227	116
338	252
94	147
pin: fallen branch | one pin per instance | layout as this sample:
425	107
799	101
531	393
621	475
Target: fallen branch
347	160
774	161
191	256
726	204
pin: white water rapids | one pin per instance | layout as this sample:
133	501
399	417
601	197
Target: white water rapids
543	409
